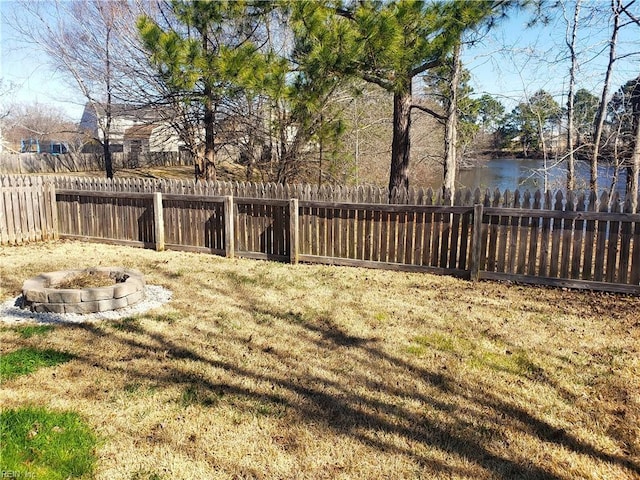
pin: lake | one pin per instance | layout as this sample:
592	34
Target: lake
527	174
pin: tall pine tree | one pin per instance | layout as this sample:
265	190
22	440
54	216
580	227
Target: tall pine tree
389	44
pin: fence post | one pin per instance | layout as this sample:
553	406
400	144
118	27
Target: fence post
54	211
294	231
229	234
476	242
158	220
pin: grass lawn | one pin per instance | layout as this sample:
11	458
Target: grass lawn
40	444
259	370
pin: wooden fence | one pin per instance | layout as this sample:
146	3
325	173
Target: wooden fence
575	241
28	210
274	191
24	163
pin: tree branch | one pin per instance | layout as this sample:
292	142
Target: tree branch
378	81
344	12
625	9
426	109
425	66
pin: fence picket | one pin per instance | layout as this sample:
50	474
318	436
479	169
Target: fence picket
534	236
578	239
613	247
635	257
514	231
523	235
590	239
494	220
465	233
626	240
567	233
599	268
503	235
455	232
556	237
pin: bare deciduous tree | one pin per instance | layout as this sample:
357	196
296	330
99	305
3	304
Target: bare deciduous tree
616	9
93	46
571	41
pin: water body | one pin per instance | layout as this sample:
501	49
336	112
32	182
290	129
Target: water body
528	174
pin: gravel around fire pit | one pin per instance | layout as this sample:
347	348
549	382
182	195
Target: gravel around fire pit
155	296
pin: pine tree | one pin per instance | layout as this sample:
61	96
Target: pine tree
388	44
204	57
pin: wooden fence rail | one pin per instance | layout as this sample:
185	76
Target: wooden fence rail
576	241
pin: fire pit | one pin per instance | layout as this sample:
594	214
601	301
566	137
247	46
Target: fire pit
62	292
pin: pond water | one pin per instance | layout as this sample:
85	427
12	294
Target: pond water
523	174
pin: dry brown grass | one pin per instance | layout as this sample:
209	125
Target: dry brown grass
266	370
85	280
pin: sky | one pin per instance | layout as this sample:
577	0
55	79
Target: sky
511	63
27	67
515	60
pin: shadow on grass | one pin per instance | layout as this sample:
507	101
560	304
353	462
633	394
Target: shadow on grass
365	397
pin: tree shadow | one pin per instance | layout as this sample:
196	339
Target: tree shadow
365	397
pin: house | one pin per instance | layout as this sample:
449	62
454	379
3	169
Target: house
36	145
133	129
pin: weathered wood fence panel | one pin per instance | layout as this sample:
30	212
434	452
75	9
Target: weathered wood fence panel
262	228
114	217
575	246
411	237
25	163
194	223
27	210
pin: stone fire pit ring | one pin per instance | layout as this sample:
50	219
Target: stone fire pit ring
39	294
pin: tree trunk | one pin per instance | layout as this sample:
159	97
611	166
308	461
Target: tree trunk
108	161
633	173
401	145
209	171
545	158
205	168
602	108
451	127
571	166
106	144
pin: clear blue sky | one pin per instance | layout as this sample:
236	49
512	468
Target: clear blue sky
512	62
27	67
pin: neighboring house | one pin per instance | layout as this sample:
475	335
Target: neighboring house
36	145
133	129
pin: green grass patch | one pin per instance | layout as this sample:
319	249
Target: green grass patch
167	317
194	395
437	341
29	331
128	324
417	350
41	444
27	360
516	363
381	317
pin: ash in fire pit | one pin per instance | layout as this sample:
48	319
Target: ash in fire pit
83	291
